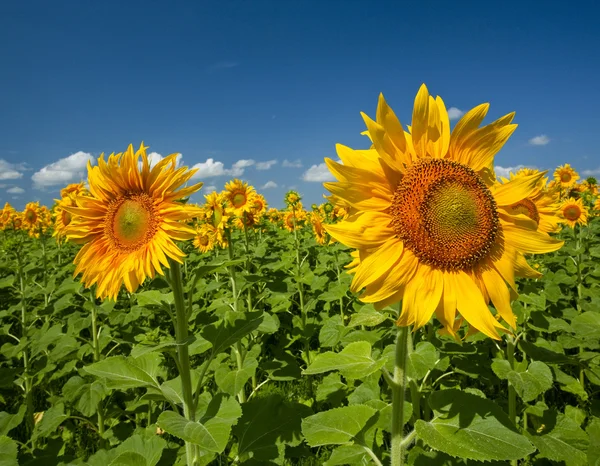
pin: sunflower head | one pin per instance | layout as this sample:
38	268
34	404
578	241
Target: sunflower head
239	196
129	223
205	238
565	176
317	225
259	206
574	212
74	189
292	198
432	226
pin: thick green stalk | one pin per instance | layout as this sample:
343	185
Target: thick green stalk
578	245
248	263
398	395
337	267
26	375
237	348
299	284
97	355
181	335
45	264
512	394
415	392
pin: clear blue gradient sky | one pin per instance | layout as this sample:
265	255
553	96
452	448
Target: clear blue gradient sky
230	81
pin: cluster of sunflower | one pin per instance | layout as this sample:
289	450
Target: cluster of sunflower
62	217
577	199
36	220
237	206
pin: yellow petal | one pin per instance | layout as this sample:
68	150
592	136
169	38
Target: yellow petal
376	264
515	190
362	230
420	121
499	294
390	283
529	242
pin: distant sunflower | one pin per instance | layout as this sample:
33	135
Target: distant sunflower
31	216
273	215
565	176
247	220
130	222
73	189
292	198
318	230
293	219
574	212
240	196
260	205
597	205
206	238
540	206
428	221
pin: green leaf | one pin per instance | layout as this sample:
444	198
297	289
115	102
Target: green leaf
154	298
6	282
267	423
468	426
593	453
569	384
212	432
51	419
8	452
367	316
232	329
9	421
347	455
232	381
85	396
587	325
139	450
536	380
126	372
336	426
560	439
354	361
421	360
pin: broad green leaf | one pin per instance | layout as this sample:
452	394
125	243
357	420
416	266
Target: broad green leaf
51	419
593	453
85	396
536	380
232	381
560	439
347	455
6	282
139	450
468	426
126	372
9	421
367	316
336	426
268	422
354	361
232	329
154	298
569	384
8	452
211	432
587	325
421	360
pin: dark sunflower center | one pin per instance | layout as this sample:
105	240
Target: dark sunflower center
131	221
572	213
445	214
565	177
31	216
525	207
238	200
203	240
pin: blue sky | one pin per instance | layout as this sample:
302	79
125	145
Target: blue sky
234	83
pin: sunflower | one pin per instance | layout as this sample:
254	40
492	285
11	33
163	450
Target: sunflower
318	230
597	205
73	189
247	220
573	212
293	219
6	215
206	237
292	198
129	223
565	176
259	206
540	206
429	220
273	215
31	215
240	196
217	215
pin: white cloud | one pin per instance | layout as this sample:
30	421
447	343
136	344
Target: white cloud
269	185
212	168
15	190
294	164
318	173
10	171
540	140
504	171
70	169
595	172
455	113
265	165
208	189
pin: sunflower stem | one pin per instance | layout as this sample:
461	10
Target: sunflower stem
578	238
512	394
299	284
96	348
398	395
181	335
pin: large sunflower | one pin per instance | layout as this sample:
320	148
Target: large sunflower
240	196
574	212
430	221
565	176
129	223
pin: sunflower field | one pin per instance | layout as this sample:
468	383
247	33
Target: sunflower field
427	313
